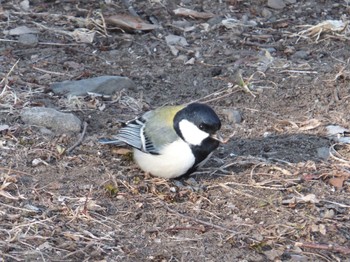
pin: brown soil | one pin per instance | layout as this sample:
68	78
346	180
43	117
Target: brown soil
267	195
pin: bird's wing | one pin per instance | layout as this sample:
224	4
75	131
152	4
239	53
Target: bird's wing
132	133
128	135
150	132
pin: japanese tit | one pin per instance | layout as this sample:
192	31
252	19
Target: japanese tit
171	141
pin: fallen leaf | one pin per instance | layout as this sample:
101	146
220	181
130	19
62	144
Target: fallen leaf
321	228
83	35
129	23
337	182
308	198
193	14
60	149
121	151
309	177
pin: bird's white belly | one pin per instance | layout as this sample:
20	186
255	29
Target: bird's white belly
173	161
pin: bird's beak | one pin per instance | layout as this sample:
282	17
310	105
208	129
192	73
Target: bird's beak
217	136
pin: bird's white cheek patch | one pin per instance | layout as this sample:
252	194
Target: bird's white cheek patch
191	133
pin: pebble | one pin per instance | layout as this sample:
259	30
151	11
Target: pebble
103	85
28	39
233	115
301	55
52	119
276	4
266	13
176	40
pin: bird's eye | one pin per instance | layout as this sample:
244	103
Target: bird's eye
201	126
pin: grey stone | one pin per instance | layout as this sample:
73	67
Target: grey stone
176	40
216	20
266	13
300	55
28	39
233	115
103	85
52	119
276	4
20	30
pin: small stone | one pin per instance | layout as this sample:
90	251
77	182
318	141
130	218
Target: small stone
182	58
266	13
176	40
300	55
216	20
28	39
52	119
20	30
233	115
276	4
273	254
103	85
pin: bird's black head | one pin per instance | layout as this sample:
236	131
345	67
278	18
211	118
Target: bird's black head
196	122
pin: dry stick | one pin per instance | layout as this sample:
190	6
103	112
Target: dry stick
79	140
340	249
4	80
200	221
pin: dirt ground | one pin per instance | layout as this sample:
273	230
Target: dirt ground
267	195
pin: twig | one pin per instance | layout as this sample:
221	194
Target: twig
201	230
4	80
299	71
200	221
50	72
329	247
79	140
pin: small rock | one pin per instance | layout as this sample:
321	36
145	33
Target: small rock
20	30
266	13
233	115
273	254
103	85
24	5
298	258
191	61
51	119
300	55
323	152
176	40
276	4
182	58
28	39
290	1
216	20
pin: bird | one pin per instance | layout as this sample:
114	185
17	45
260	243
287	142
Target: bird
171	141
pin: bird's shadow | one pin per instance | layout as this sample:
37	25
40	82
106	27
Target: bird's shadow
291	148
